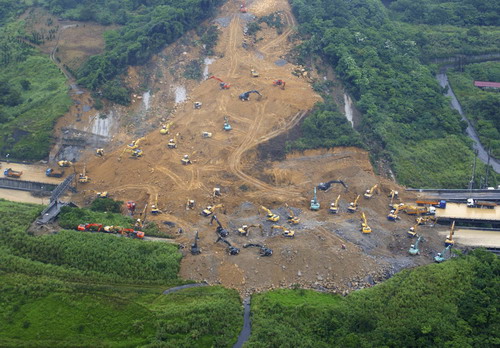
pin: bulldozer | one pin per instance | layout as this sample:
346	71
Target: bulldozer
185	160
64	163
211	209
221	231
414	250
165	128
231	250
83	178
440	257
353	206
334	207
325	186
222	84
227	125
245	229
246	96
195	250
449	240
286	233
154	207
270	215
264	251
369	193
314	202
280	83
172	143
364	225
291	218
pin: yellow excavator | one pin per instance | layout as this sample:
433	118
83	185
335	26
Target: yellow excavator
286	233
172	143
353	206
165	128
134	153
154	207
245	229
254	73
83	178
449	240
270	215
292	219
412	232
334	207
185	160
364	225
211	209
64	163
135	144
369	193
393	194
393	215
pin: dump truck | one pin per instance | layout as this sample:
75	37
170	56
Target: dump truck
54	172
9	172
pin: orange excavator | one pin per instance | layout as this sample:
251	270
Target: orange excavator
222	84
131	205
90	227
280	83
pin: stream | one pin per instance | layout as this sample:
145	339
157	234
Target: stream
247	325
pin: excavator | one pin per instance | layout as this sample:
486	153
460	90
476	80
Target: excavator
325	186
185	160
245	229
414	247
231	250
134	153
10	173
90	227
154	207
222	84
131	207
99	152
221	231
412	232
135	144
264	251
292	219
99	194
369	193
440	257
195	250
286	233
139	224
190	204
227	125
165	128
172	143
393	194
246	96
280	83
131	233
334	207
353	206
211	209
243	7
314	202
216	192
83	178
64	163
254	73
393	215
364	225
270	215
449	240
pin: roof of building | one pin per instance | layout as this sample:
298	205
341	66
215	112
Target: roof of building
487	84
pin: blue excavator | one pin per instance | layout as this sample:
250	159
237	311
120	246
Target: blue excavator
440	257
314	202
227	125
414	247
246	96
325	186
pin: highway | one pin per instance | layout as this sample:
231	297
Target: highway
460	211
459	195
474	238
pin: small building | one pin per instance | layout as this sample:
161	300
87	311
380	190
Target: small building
487	85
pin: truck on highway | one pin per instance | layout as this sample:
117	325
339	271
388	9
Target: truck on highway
473	203
9	172
54	173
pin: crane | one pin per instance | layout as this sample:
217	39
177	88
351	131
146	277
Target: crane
292	219
364	225
195	250
270	216
393	194
449	240
227	125
222	84
353	206
83	178
165	128
246	96
286	233
211	209
245	229
230	249
334	207
440	257
221	231
154	207
135	144
172	143
414	247
314	202
264	251
280	83
369	193
325	186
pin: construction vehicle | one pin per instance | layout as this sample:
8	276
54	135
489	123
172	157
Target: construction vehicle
227	125
206	135
216	192
139	224
334	207
353	206
221	231
264	251
280	83
165	128
101	194
211	209
64	163
231	250
473	203
270	215
83	178
292	219
134	153
314	202
243	7
369	193
135	144
197	105
10	173
254	73
426	219
172	143
412	231
54	172
99	152
131	207
154	207
393	194
286	233
245	229
222	84
394	214
437	204
364	225
246	96
90	227
414	210
185	160
325	186
414	247
190	204
195	250
131	233
440	257
449	240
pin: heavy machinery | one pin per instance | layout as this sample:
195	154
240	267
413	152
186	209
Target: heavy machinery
190	204
412	231
334	207
64	163
231	250
364	225
353	206
206	135
414	247
131	207
325	186
154	207
227	125
172	143
195	250
394	214
10	173
100	194
264	251
221	231
90	227
83	178
99	152
245	229
185	160
197	105
134	153
440	257
135	144
216	192
415	210
394	195
270	215
314	202
243	7
211	209
165	128
54	172
254	73
246	96
131	233
449	240
286	233
291	218
280	83
369	193
222	84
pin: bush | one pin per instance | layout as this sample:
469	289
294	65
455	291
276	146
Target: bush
108	205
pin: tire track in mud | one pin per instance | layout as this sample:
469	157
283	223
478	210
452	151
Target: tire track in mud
233	46
291	23
175	178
